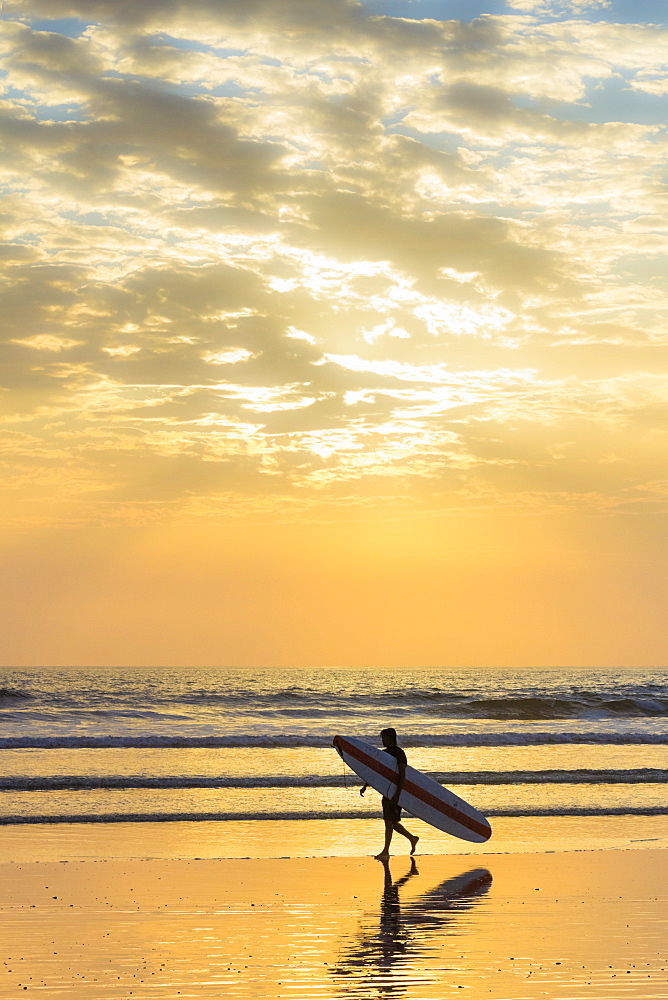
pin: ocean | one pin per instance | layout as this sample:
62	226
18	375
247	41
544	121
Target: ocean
153	745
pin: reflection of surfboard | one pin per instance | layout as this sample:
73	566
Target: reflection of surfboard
420	794
442	903
458	893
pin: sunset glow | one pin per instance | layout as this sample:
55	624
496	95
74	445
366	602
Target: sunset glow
333	332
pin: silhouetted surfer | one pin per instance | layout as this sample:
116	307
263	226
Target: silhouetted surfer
391	807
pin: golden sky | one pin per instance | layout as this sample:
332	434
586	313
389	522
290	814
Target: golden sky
333	333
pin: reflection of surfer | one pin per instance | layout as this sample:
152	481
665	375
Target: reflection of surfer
391	807
391	933
377	949
387	945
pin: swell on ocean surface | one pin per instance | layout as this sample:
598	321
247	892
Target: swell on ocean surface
142	697
287	740
71	782
585	705
328	814
9	694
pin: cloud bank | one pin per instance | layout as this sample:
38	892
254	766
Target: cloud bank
292	256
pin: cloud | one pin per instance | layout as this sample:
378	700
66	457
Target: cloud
557	8
283	252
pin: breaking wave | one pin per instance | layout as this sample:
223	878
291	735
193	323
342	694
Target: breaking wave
287	740
199	817
10	694
79	782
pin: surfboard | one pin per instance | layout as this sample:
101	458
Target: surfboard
420	795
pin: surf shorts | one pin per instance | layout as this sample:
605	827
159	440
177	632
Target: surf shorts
391	812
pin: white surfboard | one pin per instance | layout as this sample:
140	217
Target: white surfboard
420	794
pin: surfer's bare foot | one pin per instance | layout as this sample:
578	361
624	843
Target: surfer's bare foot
383	856
414	841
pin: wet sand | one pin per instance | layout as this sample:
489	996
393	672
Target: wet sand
317	838
575	924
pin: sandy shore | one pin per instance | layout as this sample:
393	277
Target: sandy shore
559	925
318	838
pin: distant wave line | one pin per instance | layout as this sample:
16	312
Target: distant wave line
191	817
290	741
627	701
75	782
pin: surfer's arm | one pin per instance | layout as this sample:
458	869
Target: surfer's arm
363	789
400	780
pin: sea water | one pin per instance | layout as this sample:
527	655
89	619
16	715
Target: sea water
239	746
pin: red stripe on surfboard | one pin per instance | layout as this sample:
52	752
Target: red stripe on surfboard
409	786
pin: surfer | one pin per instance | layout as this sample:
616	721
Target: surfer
391	807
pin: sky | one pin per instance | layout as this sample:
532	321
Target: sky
333	333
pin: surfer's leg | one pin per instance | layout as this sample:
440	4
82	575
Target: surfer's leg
389	824
400	828
385	853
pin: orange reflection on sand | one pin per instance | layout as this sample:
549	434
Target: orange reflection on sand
569	925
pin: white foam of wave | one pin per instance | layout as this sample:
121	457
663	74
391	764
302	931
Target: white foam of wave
287	740
193	817
75	782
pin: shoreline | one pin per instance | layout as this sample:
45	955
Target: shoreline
190	840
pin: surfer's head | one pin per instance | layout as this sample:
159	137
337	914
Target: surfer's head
389	737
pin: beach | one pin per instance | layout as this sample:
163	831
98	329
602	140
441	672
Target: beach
565	924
